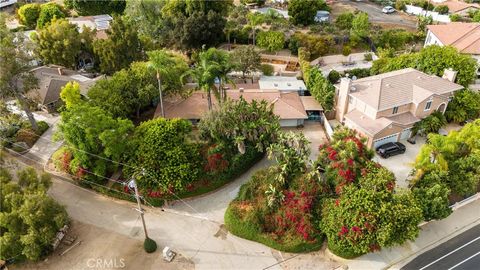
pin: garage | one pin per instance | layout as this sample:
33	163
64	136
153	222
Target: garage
291	122
384	140
405	133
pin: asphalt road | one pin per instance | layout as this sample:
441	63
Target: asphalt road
459	253
376	15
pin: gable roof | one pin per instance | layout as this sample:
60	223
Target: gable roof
465	37
399	87
285	105
457	6
52	78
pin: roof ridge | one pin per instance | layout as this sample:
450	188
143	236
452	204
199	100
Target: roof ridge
464	35
284	101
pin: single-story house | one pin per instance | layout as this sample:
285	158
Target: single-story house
287	105
51	80
458	7
383	108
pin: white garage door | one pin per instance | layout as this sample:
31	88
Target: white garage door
405	134
384	140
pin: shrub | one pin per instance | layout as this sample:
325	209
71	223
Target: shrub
344	20
346	50
149	245
358	72
48	12
26	135
334	76
28	14
267	69
368	57
442	9
455	17
62	158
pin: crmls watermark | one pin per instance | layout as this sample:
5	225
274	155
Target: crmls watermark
102	263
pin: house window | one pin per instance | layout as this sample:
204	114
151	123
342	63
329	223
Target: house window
395	110
428	105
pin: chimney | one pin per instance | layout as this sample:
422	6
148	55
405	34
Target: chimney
450	74
342	99
60	71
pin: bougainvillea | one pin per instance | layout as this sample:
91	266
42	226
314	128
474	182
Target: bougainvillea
343	158
368	215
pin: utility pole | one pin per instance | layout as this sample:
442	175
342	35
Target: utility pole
139	209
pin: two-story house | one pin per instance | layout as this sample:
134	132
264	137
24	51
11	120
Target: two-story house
383	108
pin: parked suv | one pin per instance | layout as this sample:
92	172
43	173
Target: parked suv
390	149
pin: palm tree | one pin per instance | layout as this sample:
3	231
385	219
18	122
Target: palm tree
254	19
163	63
225	67
206	70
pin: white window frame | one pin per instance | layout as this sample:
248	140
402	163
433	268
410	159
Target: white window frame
428	106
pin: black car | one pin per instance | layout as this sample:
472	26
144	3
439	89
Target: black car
390	149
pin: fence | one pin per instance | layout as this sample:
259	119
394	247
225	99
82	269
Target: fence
327	126
414	10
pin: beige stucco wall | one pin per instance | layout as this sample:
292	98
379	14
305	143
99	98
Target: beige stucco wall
388	112
420	112
388	131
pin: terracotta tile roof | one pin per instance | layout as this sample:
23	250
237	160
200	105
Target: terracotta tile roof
405	119
456	6
369	125
285	105
310	103
397	88
463	36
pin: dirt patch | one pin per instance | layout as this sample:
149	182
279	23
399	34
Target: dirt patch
102	249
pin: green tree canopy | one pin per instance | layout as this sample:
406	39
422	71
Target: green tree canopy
28	14
344	20
70	94
433	59
241	123
29	218
302	12
49	12
16	80
322	89
464	106
246	59
96	7
170	160
360	25
121	48
58	43
89	130
370	216
271	40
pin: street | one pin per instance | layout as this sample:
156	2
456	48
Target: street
461	253
376	15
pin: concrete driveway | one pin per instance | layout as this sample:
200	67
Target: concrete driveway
376	15
314	133
401	165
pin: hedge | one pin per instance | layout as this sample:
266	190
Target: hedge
238	227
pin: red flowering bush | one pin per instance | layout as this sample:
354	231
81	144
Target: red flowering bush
343	158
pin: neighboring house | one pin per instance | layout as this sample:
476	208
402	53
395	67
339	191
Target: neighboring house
6	3
266	10
287	105
283	83
52	78
465	37
459	7
99	22
383	108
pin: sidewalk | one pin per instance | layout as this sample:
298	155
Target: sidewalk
431	235
44	148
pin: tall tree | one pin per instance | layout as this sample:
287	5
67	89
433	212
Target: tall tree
97	7
464	106
15	78
30	219
246	59
360	25
58	43
121	48
164	64
254	19
48	13
302	12
205	72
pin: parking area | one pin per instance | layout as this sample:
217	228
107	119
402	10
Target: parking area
314	133
401	165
